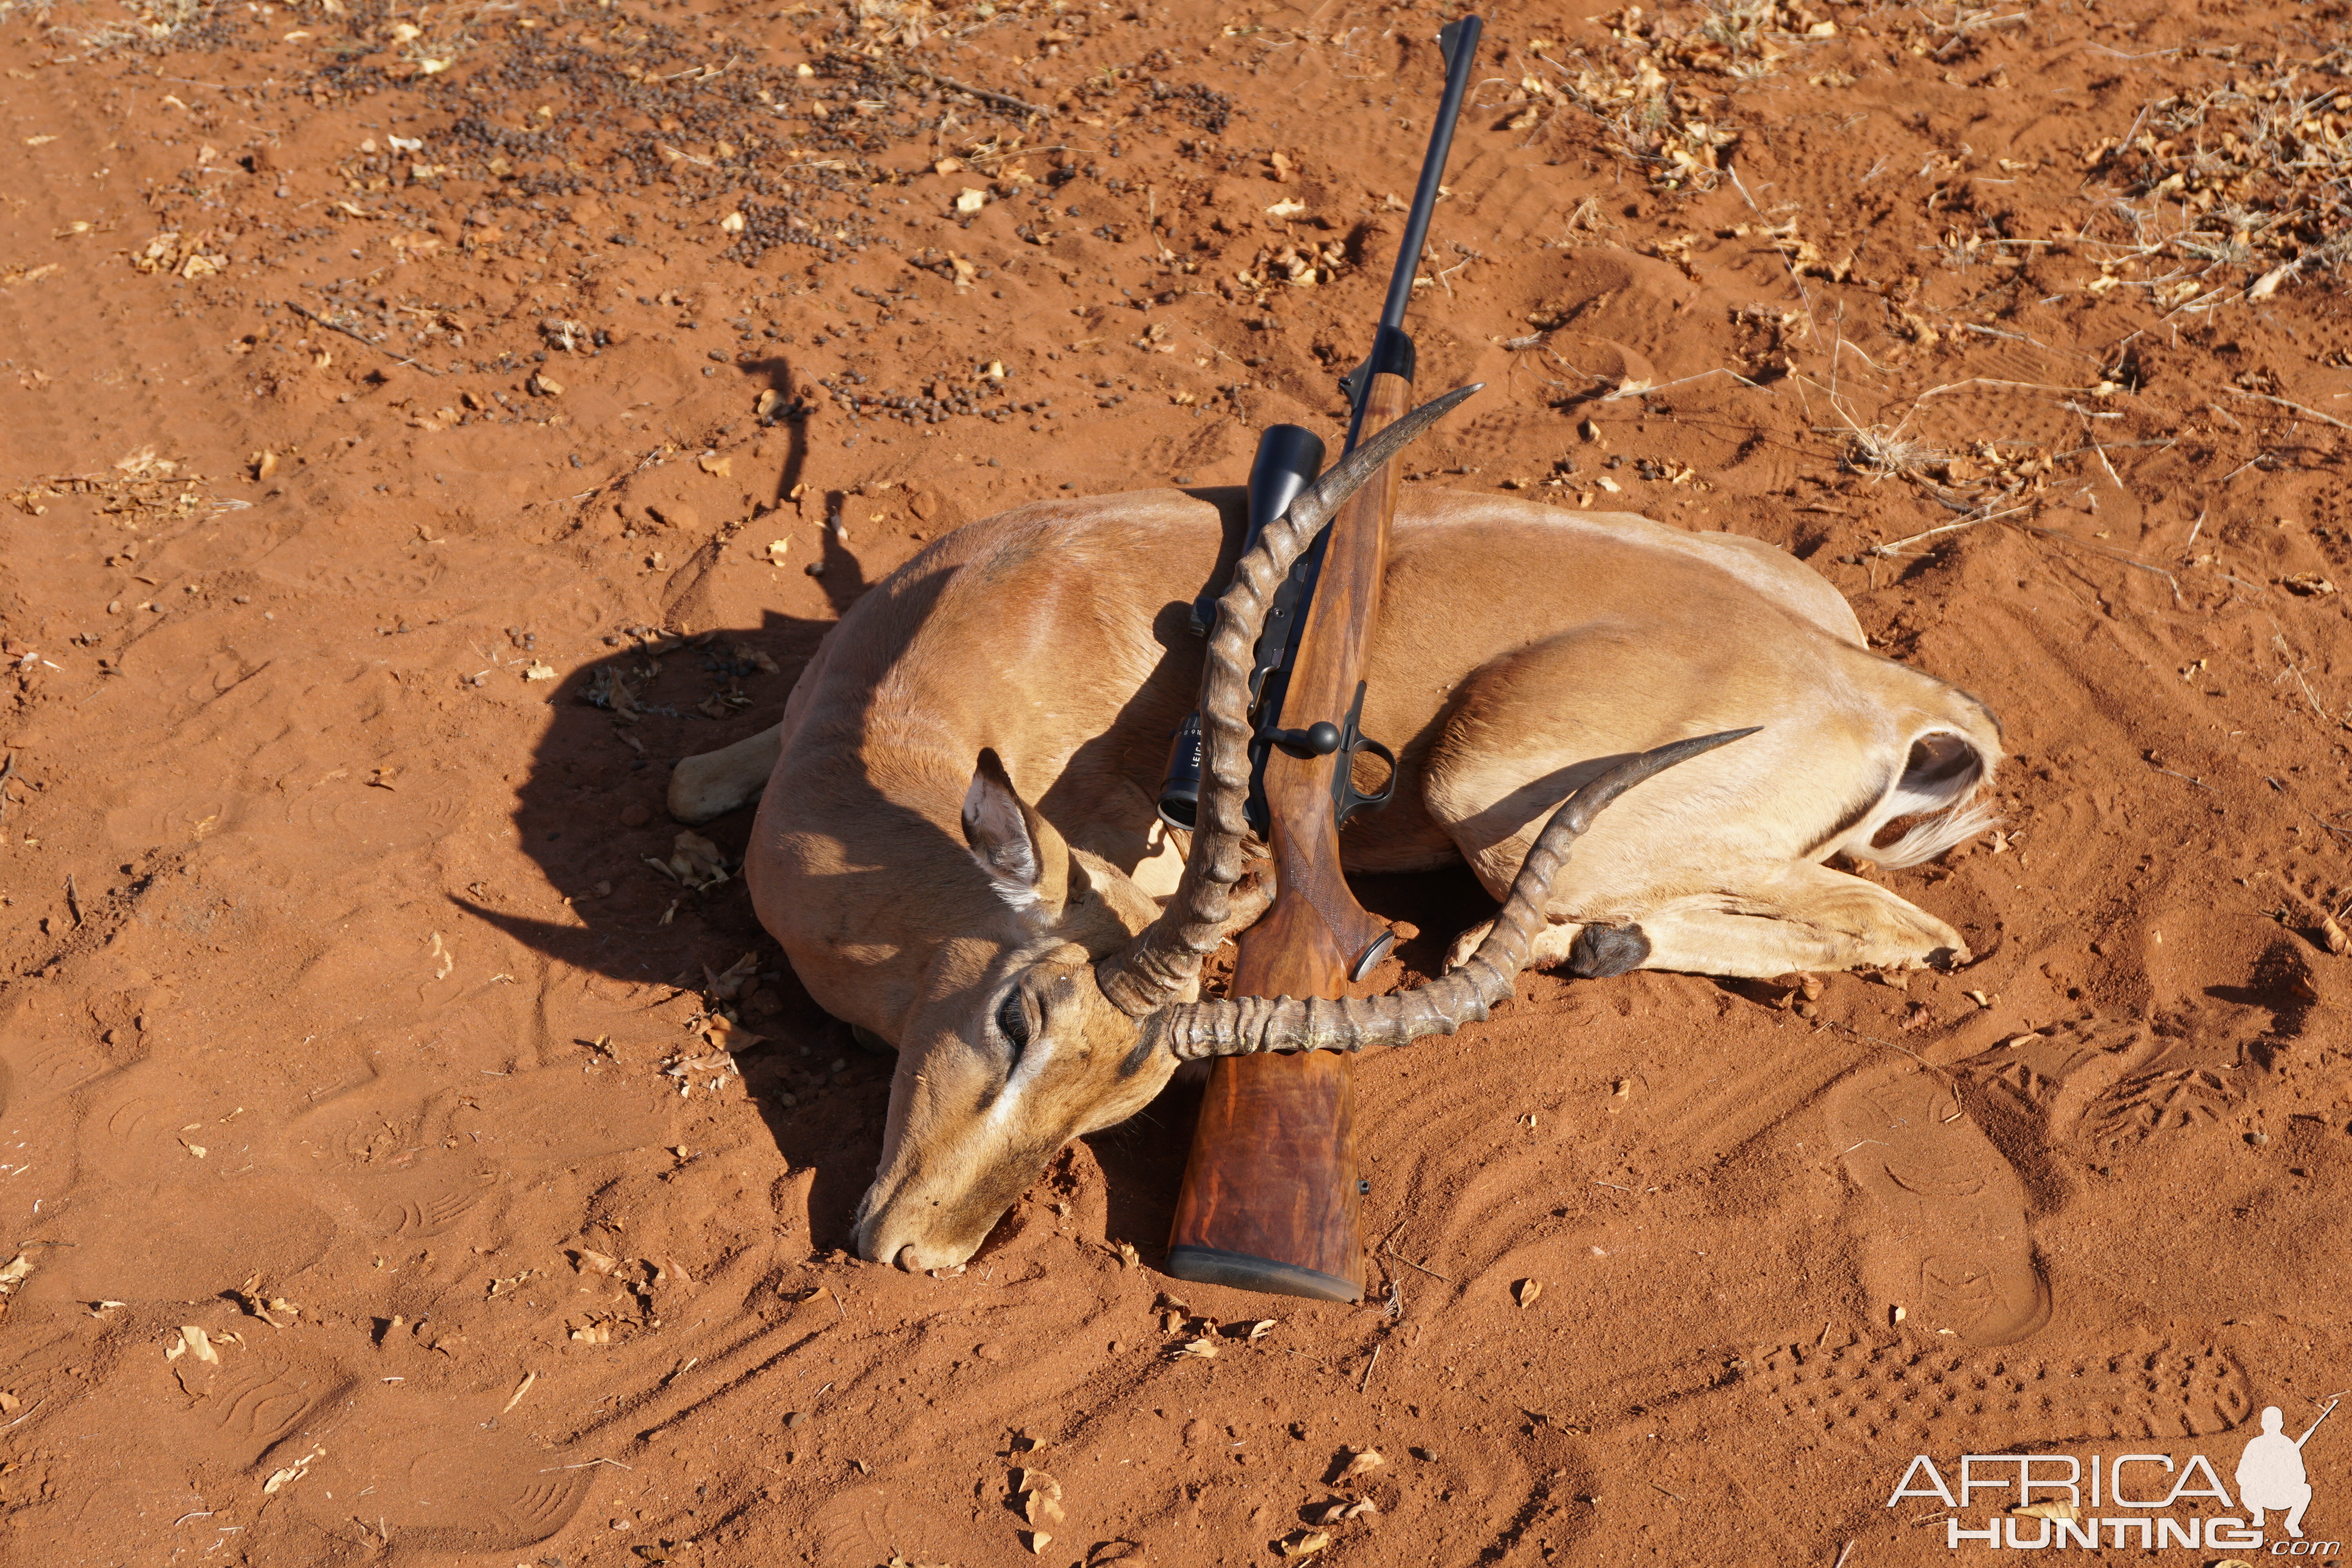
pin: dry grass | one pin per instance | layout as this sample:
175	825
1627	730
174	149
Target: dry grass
2254	173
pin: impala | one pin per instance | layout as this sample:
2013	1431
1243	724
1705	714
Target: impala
957	846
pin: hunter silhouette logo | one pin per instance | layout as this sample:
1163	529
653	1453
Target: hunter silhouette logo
2271	1474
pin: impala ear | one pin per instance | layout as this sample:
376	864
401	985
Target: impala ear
1026	859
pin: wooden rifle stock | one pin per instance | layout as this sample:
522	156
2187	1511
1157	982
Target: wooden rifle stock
1271	1199
1271	1196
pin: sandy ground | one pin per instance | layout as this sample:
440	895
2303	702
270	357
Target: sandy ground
394	491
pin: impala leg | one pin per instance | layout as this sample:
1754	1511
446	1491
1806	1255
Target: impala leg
1755	922
716	782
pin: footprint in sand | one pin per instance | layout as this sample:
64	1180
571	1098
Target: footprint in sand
244	1412
2108	1086
441	1484
1890	1395
1948	1244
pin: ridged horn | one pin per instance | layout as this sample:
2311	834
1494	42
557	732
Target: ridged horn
1250	1023
1162	960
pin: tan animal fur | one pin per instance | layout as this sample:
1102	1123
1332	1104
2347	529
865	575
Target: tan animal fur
956	908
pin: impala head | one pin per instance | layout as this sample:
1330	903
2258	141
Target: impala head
1070	1010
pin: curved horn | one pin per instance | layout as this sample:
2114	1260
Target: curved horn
1249	1024
1164	958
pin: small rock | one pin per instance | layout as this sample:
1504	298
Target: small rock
636	813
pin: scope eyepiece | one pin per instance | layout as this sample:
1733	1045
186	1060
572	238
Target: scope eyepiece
1180	792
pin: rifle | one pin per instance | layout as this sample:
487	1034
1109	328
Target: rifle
1271	1193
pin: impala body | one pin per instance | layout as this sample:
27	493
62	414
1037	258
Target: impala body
958	850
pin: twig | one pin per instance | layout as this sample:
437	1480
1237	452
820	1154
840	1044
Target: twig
1676	1495
1992	380
300	309
1844	1552
1408	1263
2283	403
73	900
584	1465
1948	528
1365	1380
2109	551
2184	778
986	94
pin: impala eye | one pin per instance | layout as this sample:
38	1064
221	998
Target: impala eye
1013	1023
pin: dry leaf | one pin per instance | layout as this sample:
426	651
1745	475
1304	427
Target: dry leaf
542	384
730	1035
732	223
1302	1543
776	551
730	982
1285	208
1204	1349
718	464
193	1341
2310	584
694	861
589	1262
535	671
1027	1481
1039	1508
1341	1509
1525	1291
1357	1462
291	1473
1036	1541
2065	1511
269	1308
2332	934
1258	1330
1128	1257
264	465
971	200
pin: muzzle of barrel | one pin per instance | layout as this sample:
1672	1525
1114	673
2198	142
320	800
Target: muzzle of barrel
1179	791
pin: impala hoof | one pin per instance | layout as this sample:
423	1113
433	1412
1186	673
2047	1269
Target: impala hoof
1600	951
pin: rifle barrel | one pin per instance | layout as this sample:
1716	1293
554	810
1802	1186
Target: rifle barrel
1459	42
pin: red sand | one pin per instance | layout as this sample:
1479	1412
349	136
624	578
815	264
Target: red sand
351	1214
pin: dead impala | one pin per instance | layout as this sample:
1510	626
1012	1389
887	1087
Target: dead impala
958	850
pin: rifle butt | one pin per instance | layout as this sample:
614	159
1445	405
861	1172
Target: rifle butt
1270	1200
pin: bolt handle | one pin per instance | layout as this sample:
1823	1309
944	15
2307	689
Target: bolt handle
1320	739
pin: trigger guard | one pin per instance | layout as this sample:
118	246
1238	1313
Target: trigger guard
1346	800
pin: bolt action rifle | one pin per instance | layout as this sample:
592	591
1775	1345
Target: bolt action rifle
1271	1194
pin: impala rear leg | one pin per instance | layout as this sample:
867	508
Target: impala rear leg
1754	921
1711	867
